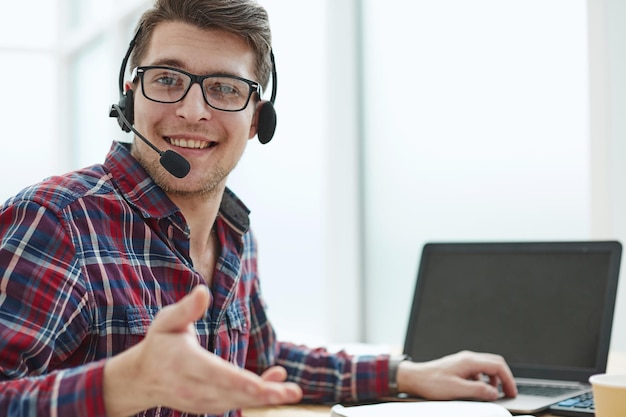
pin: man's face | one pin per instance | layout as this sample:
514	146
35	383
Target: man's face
211	140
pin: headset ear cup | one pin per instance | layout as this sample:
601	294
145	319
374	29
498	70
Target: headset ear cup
267	122
127	105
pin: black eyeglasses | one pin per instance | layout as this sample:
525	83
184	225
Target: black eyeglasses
170	85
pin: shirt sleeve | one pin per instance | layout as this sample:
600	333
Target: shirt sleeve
73	392
332	377
43	319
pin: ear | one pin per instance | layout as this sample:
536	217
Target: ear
254	124
127	86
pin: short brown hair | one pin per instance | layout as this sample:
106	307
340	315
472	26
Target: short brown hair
244	18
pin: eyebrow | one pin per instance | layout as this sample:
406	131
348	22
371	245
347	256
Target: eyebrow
175	63
169	62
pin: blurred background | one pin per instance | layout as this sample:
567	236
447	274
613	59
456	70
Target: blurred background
399	123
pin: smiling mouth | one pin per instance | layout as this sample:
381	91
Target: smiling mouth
190	143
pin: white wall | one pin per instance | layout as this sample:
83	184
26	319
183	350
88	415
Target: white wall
27	115
476	129
607	62
60	79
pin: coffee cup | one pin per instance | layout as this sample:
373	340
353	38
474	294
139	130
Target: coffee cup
609	394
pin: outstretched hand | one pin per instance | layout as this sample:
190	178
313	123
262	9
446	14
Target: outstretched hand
171	369
463	375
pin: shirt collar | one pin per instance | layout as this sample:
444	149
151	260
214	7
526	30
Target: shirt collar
141	192
137	187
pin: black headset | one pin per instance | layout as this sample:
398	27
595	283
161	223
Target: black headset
267	114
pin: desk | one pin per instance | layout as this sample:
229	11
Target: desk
616	364
289	411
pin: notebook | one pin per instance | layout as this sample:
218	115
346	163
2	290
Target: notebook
547	307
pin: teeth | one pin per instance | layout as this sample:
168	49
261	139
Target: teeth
190	143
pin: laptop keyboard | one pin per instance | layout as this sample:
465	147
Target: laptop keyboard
579	406
544	390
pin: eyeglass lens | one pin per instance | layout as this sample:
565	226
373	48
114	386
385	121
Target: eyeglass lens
221	92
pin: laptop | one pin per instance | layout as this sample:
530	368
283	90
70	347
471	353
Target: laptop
547	307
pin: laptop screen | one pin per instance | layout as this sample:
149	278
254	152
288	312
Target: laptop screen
546	307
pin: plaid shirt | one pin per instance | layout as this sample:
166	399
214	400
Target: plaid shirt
86	261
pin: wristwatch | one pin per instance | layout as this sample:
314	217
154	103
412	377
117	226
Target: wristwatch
394	362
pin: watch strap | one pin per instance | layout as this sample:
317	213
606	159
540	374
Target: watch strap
394	362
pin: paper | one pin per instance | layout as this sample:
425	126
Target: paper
423	409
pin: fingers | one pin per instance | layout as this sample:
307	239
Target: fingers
271	389
499	373
275	374
477	390
496	370
226	387
509	388
177	317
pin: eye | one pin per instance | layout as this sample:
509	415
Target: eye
226	93
168	79
165	78
222	89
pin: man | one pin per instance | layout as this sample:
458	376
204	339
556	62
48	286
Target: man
126	289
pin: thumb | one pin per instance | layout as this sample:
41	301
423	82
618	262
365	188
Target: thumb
178	316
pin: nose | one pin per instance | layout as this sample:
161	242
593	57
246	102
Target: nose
193	107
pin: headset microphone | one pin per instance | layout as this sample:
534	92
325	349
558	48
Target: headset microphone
173	162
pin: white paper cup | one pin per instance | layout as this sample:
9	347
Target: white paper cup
609	394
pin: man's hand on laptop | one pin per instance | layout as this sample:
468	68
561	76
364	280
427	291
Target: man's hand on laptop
463	375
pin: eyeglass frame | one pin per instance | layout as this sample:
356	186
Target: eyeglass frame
139	71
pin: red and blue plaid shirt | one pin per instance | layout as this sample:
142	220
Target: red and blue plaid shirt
86	261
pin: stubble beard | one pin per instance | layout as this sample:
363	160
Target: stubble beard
163	179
